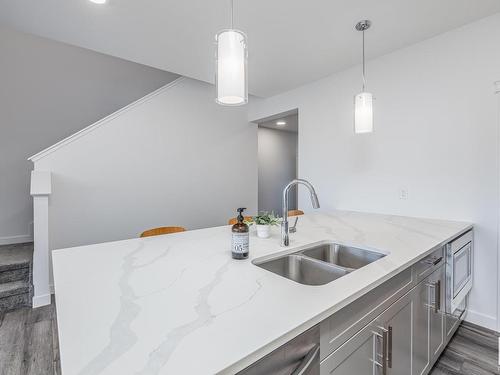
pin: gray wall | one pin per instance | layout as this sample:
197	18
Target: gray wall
277	151
436	136
50	90
171	165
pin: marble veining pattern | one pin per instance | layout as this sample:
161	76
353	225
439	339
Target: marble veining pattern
180	304
162	353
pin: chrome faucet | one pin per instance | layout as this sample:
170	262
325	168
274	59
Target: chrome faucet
285	240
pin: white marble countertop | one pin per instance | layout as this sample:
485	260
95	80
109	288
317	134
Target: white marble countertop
178	304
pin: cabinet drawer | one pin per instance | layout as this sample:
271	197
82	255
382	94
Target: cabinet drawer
285	359
344	324
429	264
355	357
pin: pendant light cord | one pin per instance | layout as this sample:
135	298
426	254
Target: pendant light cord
232	14
364	77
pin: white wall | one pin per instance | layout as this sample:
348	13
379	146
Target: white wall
176	158
277	155
49	90
436	134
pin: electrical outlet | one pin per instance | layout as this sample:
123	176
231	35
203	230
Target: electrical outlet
403	193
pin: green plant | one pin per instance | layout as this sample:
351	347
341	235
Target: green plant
266	218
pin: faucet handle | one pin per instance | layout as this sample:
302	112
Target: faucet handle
293	229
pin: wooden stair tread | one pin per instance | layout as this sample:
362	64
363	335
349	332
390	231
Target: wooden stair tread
13	288
15	256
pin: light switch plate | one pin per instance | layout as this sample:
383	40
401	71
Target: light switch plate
403	193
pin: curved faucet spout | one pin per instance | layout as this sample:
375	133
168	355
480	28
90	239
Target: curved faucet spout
285	240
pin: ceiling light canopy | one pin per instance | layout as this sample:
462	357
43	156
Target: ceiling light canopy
363	102
231	72
98	1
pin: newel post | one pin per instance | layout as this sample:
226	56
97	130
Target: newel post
41	188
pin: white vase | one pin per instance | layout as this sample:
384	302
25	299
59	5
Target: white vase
263	231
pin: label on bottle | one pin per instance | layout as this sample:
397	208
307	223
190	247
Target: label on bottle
240	242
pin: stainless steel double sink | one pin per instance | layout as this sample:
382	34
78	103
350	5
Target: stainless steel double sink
320	263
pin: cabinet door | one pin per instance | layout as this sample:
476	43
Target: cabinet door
357	356
398	321
421	324
453	320
437	316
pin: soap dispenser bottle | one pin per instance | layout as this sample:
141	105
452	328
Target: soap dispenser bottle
240	237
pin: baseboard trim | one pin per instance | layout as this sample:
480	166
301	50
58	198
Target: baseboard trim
483	320
43	300
11	240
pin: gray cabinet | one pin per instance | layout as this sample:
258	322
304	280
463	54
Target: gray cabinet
397	322
385	344
357	356
421	324
428	322
405	337
452	321
436	312
341	326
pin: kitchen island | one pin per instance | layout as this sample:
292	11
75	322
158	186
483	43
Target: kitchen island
178	304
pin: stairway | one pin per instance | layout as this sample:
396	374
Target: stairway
15	276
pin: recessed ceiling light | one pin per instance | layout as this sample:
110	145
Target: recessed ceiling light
99	1
281	123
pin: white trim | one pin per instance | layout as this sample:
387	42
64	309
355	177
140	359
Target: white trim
41	183
41	253
103	121
10	240
43	300
481	319
497	90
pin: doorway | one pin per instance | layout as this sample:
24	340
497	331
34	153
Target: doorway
277	160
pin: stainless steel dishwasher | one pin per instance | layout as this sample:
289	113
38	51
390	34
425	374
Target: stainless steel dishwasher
299	356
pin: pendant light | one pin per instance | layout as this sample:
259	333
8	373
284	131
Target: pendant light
363	102
231	76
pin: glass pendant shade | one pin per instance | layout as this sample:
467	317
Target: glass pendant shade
363	113
231	76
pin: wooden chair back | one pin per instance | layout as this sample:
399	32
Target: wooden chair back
162	230
234	220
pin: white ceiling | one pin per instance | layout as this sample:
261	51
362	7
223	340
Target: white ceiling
291	42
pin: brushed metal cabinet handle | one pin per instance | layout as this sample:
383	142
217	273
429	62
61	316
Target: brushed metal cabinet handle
437	261
432	261
308	361
384	351
385	337
376	354
389	345
437	296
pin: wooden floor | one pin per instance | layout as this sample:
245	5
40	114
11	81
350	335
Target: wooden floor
472	351
28	346
28	342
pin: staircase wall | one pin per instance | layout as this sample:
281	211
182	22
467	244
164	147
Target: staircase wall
173	158
48	91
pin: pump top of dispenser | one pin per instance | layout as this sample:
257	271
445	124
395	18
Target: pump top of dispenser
240	216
